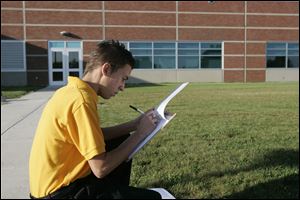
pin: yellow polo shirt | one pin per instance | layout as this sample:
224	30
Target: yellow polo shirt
68	134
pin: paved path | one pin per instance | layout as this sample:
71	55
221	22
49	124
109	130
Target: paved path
19	118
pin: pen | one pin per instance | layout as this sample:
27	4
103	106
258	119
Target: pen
136	109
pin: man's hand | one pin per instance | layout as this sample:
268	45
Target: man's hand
147	123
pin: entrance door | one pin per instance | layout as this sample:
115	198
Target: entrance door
65	59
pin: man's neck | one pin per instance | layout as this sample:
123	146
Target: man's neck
89	81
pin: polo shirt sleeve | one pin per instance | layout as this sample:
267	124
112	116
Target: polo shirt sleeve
85	132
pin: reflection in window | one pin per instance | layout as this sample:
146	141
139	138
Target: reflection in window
164	55
276	61
73	60
57	76
164	62
188	62
211	55
172	55
293	55
188	55
143	62
57	60
210	62
282	55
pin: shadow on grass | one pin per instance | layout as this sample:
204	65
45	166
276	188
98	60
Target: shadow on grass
137	82
285	187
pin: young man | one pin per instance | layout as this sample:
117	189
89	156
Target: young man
71	155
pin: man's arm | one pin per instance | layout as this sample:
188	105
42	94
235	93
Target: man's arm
103	164
119	130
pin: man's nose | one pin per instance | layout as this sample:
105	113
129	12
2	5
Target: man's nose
122	87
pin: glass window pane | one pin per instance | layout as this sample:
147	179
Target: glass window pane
74	74
73	44
73	60
143	62
188	62
164	62
57	60
276	45
210	62
276	61
276	52
140	45
293	45
141	52
293	62
57	44
188	45
211	45
164	52
211	52
188	52
164	45
57	76
293	53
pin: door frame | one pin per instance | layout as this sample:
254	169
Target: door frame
65	56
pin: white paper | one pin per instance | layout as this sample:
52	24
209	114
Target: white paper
163	119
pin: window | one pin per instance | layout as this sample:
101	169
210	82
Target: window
188	55
164	55
293	55
211	55
142	53
176	55
12	55
282	55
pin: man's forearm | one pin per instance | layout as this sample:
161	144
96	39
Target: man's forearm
118	130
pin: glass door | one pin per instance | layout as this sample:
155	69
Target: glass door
57	72
65	59
73	63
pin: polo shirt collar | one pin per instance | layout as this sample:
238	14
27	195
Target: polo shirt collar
77	82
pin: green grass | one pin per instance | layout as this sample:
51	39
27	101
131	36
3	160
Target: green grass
16	92
228	140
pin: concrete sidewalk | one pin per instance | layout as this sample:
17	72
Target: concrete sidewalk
19	118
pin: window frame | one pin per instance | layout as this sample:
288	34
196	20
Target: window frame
286	54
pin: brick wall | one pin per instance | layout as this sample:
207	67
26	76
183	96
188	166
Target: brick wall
245	27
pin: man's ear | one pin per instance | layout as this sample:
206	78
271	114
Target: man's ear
106	69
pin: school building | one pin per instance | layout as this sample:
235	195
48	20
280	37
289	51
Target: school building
42	42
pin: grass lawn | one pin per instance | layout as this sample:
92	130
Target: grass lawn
228	140
16	92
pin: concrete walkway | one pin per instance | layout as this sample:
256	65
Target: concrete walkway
19	118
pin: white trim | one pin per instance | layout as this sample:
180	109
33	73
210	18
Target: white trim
59	25
274	14
256	55
256	68
234	69
61	10
103	20
177	29
273	28
234	55
245	42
